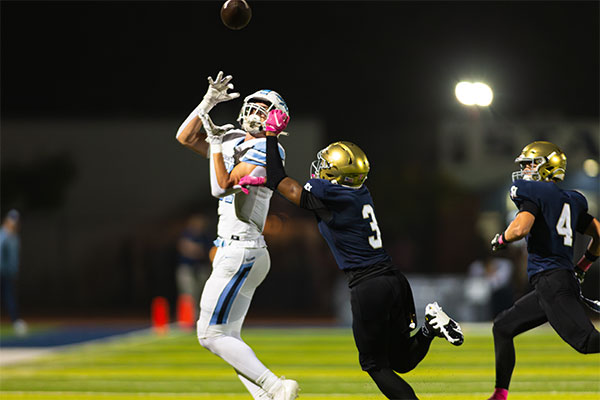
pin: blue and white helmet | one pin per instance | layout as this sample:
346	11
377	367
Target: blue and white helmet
252	116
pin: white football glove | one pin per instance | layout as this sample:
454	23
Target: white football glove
214	133
217	93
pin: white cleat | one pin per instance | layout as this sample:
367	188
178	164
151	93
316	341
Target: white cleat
288	391
438	322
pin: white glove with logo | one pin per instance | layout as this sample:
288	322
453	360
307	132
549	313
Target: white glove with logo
217	93
214	133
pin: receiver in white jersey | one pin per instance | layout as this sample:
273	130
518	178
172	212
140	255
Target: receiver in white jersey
242	260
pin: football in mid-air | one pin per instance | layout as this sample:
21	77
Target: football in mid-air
236	14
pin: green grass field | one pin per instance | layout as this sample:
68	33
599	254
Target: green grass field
322	360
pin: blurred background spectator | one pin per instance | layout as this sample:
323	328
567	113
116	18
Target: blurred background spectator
10	248
194	264
492	277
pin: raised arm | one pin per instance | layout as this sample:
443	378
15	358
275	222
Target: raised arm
190	136
277	178
189	133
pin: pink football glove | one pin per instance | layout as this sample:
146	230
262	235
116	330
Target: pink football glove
277	121
251	181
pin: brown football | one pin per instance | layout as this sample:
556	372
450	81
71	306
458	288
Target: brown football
236	14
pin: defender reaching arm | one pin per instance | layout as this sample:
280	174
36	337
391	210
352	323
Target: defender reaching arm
278	179
346	219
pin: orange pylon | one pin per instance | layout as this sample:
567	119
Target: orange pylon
186	312
160	315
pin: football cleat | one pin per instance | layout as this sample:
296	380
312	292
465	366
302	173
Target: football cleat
288	391
499	394
438	322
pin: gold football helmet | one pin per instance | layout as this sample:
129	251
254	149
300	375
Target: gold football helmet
541	161
343	163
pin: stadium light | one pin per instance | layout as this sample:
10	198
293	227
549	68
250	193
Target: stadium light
471	94
591	167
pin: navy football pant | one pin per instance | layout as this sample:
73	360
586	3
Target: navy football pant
381	308
555	299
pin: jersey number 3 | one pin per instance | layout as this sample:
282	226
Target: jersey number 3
375	240
563	226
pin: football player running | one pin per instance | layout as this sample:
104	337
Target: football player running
382	303
549	218
242	261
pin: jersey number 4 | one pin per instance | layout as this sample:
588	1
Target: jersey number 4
375	240
563	226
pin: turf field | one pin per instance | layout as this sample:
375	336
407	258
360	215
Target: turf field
323	360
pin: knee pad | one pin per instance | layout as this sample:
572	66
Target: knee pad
205	342
209	343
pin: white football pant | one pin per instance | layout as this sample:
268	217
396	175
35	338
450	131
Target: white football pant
237	272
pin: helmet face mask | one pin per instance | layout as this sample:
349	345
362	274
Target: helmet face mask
342	163
253	116
256	107
541	161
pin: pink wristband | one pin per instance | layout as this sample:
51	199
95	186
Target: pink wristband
502	239
587	260
584	264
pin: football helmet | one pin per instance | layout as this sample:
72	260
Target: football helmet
541	161
253	115
343	163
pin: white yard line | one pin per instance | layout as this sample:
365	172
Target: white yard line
13	355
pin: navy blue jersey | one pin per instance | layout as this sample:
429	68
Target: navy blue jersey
352	233
550	241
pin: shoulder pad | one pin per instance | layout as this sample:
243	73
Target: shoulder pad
522	190
317	187
581	198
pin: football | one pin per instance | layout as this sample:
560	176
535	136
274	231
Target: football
236	14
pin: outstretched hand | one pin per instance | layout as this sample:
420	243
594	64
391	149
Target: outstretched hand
214	133
277	121
249	180
217	92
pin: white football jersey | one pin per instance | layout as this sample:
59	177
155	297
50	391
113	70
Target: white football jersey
242	216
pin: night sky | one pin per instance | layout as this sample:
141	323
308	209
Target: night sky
351	62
